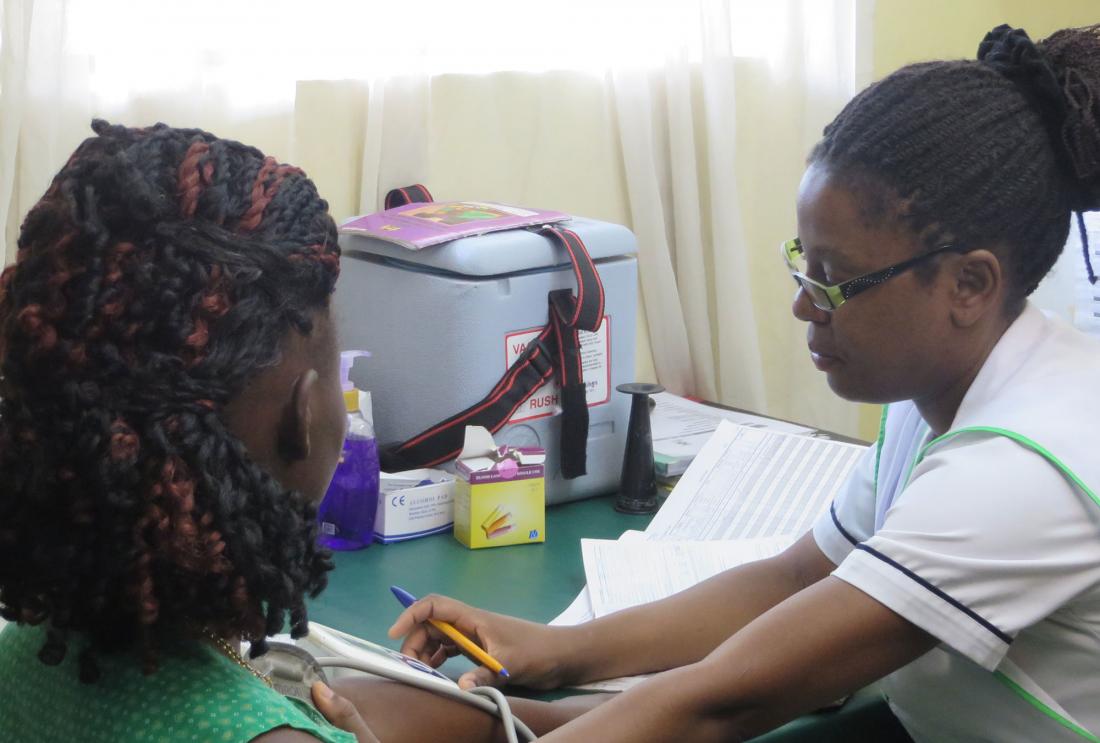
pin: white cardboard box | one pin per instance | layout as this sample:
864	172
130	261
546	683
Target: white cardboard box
414	503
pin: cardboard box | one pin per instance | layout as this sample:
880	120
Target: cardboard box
500	495
414	503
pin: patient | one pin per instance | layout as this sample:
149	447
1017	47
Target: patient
171	414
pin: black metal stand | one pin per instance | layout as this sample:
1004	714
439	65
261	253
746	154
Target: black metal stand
638	484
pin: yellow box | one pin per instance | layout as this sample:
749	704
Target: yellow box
499	496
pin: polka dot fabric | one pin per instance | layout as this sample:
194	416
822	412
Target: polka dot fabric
197	695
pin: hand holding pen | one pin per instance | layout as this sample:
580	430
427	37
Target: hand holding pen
531	651
464	643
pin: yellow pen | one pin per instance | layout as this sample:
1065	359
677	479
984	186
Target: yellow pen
407	600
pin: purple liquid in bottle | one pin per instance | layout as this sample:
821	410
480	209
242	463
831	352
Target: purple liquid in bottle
346	515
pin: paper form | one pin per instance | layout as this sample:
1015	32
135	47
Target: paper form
673	566
677	417
620	684
580	611
681	427
748	483
745	484
625	574
681	447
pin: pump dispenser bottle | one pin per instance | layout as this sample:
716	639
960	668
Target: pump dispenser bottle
346	514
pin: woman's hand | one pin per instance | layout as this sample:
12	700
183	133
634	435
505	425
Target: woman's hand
341	713
534	654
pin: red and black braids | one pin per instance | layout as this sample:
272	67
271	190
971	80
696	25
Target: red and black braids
162	269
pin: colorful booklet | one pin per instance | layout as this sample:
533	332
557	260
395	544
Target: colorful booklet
416	226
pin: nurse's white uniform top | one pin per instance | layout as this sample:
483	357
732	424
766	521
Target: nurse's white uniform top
990	544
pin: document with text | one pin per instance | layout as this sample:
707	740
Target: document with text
622	574
747	483
681	427
747	495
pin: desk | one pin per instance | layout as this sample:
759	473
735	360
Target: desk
534	581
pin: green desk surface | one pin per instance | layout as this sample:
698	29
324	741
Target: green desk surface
534	581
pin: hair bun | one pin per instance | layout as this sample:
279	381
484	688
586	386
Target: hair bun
1012	53
1074	54
1061	77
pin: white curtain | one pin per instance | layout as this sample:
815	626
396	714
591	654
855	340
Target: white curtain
688	121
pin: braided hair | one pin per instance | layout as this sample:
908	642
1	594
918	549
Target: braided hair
996	152
162	270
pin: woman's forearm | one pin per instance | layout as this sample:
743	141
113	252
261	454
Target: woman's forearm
685	628
822	643
398	712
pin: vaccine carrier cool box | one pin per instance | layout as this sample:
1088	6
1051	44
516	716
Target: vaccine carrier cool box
444	323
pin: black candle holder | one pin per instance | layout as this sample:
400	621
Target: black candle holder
638	483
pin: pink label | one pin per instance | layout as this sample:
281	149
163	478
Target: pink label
499	474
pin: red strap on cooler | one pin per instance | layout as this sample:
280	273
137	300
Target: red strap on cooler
555	352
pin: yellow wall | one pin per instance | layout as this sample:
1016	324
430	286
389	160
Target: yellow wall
911	30
908	31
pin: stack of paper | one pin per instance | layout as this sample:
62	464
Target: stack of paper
748	494
681	427
623	573
748	482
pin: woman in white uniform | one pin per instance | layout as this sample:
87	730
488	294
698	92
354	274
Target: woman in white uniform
961	562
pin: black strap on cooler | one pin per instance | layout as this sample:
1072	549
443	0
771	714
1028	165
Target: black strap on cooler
555	352
407	195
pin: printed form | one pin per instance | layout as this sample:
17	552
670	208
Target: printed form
748	482
675	416
580	611
681	427
746	496
622	574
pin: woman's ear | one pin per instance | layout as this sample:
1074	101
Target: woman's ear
292	439
978	286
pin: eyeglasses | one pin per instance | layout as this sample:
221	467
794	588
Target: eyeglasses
829	298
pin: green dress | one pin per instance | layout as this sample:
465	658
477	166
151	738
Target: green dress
197	694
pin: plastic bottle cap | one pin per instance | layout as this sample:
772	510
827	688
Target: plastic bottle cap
347	360
351	395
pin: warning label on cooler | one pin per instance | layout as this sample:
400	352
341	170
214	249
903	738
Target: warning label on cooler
595	363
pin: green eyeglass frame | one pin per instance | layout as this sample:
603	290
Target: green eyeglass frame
829	297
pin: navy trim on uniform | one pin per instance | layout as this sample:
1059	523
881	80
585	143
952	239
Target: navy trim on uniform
957	604
836	522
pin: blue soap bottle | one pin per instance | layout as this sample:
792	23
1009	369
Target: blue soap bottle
346	515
